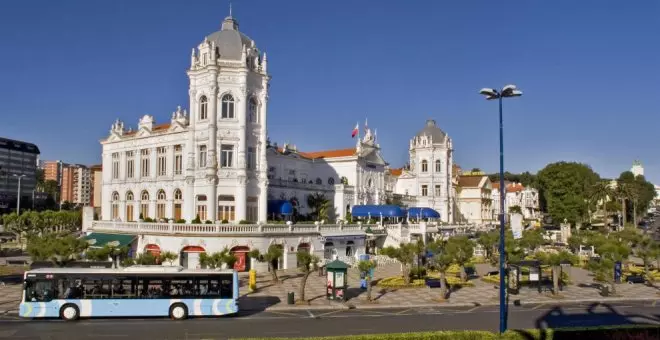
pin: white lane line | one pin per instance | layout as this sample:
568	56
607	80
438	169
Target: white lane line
310	314
538	306
329	313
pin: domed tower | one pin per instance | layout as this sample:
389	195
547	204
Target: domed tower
431	161
226	168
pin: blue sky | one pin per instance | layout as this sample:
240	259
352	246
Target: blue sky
590	72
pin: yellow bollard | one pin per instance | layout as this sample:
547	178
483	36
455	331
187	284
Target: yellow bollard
252	282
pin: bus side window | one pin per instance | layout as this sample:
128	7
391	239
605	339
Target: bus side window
226	288
39	290
97	289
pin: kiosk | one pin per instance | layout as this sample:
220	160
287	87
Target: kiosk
337	280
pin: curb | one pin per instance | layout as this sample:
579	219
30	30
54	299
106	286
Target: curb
449	305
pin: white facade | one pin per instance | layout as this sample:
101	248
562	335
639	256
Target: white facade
526	198
211	163
427	181
474	199
637	169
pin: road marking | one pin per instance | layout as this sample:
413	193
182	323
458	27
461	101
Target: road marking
538	306
328	313
403	311
285	332
284	313
310	314
472	309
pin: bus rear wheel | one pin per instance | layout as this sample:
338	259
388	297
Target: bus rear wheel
69	312
178	312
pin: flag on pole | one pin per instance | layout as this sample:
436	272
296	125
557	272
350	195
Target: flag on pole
355	130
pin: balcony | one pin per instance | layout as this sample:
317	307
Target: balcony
299	185
222	229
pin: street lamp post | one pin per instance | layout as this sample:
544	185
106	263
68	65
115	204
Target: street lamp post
506	92
18	196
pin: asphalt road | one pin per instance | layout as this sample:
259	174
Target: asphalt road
301	323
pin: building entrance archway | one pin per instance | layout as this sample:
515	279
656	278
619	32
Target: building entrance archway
242	259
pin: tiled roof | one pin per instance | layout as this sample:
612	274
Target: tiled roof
396	172
329	153
515	187
96	167
470	181
496	185
155	128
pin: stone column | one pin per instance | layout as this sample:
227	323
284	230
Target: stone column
152	208
212	159
263	160
241	188
170	161
189	161
169	207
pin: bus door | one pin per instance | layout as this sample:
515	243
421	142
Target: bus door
39	294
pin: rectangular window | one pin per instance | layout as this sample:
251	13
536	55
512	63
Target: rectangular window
438	190
425	190
162	161
226	156
160	210
130	164
438	166
144	209
178	159
202	156
226	212
115	165
144	163
201	211
251	158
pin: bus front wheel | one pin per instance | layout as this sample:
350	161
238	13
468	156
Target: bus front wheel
178	312
69	312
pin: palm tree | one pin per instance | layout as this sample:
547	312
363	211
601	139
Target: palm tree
623	192
168	256
601	192
319	205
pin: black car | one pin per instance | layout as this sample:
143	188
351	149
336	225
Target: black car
635	278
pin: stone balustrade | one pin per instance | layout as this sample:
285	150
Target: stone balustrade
222	229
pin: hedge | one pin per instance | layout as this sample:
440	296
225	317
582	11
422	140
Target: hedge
600	333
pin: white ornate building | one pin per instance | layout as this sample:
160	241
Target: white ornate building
427	180
527	198
211	163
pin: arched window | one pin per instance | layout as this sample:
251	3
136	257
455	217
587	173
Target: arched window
253	111
425	165
203	108
227	106
129	207
349	248
319	181
144	204
331	181
160	204
178	204
438	166
115	205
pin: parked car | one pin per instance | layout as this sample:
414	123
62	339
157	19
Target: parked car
635	278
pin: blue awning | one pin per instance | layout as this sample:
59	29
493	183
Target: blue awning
423	213
282	207
377	211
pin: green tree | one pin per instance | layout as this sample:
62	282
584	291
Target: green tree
461	249
56	248
274	253
532	239
319	205
515	209
307	263
565	188
602	192
554	260
168	256
441	260
645	249
610	250
218	259
406	254
366	266
488	242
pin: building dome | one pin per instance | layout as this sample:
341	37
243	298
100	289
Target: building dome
433	131
229	41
